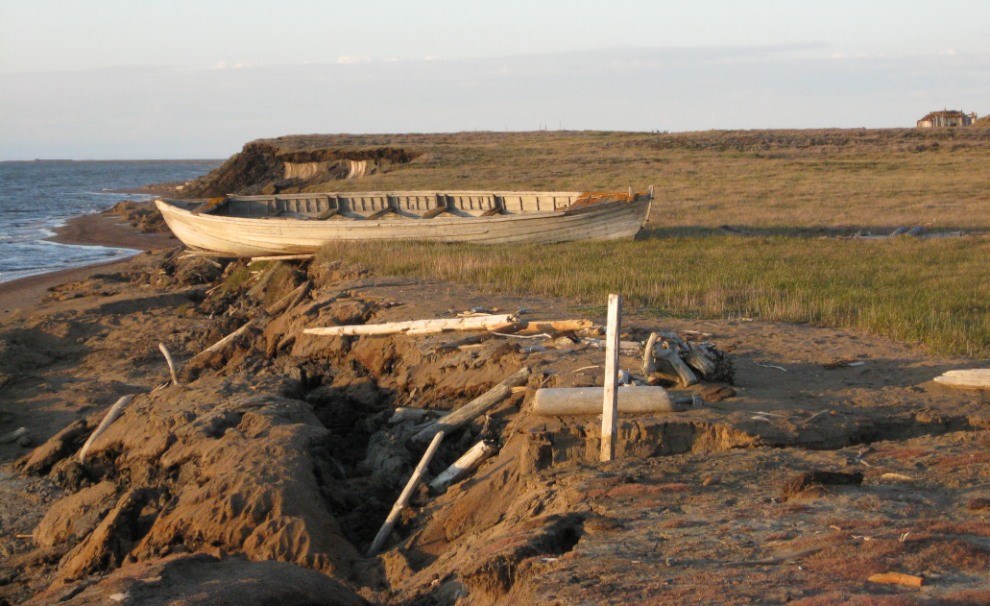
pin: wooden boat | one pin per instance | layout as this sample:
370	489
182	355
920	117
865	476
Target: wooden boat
301	223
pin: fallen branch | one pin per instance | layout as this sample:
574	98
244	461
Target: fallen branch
463	466
474	408
171	364
633	399
400	503
412	327
224	341
108	418
7	438
290	300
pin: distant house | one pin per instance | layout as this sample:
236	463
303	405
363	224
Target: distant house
947	117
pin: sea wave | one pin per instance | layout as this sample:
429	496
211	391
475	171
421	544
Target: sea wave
36	198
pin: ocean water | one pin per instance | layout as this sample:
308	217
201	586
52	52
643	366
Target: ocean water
37	197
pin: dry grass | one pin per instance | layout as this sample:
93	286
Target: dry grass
777	186
933	292
773	180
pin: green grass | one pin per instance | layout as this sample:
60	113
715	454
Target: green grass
935	292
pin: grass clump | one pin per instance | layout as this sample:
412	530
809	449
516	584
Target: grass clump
933	292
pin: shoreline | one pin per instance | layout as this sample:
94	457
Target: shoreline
96	229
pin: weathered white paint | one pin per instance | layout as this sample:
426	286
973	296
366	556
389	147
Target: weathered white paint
244	226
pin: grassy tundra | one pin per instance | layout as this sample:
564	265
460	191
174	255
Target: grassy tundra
789	192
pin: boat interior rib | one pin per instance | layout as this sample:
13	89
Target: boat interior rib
398	205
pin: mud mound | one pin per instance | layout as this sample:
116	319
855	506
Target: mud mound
263	167
234	475
143	216
202	580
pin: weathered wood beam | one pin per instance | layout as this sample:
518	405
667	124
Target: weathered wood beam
976	378
463	466
403	499
306	257
224	341
632	399
111	416
610	405
475	407
412	327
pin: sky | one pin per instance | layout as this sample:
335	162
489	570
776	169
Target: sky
134	79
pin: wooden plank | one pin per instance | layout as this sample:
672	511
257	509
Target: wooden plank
610	406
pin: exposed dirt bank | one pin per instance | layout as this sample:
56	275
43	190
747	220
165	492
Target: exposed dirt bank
268	167
268	470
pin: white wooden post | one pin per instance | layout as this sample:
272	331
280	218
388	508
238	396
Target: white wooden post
610	408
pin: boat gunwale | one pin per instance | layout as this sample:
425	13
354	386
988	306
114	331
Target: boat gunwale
368	223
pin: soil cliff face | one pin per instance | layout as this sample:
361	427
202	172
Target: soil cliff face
266	167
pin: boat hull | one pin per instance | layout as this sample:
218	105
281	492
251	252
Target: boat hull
239	236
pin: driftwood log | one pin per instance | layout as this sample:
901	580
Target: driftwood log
7	438
171	364
403	499
413	327
629	348
460	468
475	407
224	341
633	399
290	300
683	371
535	327
111	416
284	258
977	378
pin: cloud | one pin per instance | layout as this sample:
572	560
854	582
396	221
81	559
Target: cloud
351	59
149	112
238	65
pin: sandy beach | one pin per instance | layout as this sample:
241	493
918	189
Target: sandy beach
87	230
